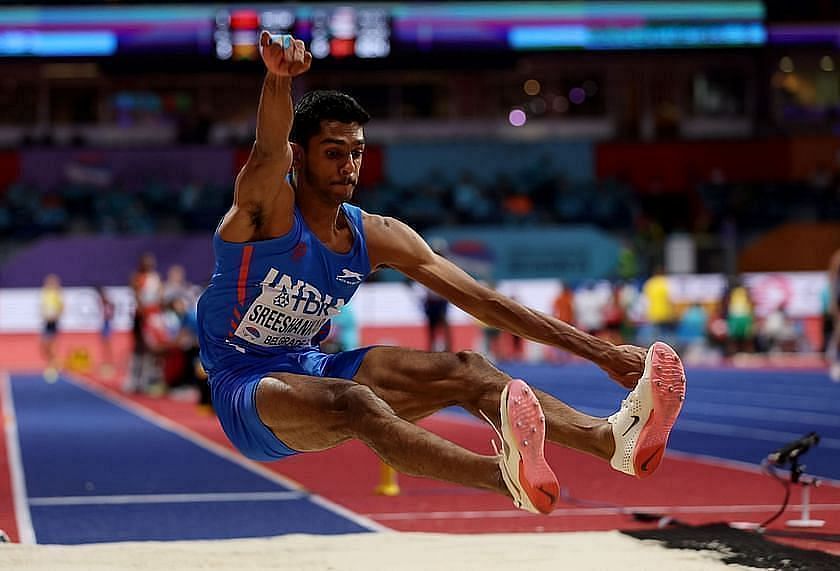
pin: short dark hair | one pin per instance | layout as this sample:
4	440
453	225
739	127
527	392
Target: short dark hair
317	106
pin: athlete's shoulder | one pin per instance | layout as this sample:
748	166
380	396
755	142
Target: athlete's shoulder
384	227
382	221
392	242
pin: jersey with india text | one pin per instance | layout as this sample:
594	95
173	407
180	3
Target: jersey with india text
274	296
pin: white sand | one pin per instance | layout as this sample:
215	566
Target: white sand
601	551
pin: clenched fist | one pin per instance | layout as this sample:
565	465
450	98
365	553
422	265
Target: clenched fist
284	55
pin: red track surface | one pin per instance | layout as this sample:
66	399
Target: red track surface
7	507
688	489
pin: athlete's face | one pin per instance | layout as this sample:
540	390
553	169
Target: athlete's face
330	163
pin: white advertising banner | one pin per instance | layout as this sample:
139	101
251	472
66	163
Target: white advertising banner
397	304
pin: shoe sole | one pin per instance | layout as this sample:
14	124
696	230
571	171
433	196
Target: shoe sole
665	376
523	425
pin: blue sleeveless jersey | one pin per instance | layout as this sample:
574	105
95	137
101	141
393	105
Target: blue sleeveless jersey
276	296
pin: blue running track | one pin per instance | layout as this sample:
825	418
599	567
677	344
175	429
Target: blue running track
95	472
740	415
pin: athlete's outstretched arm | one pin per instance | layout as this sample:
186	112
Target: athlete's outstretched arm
262	193
392	243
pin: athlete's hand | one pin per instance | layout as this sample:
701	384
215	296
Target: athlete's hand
625	365
284	55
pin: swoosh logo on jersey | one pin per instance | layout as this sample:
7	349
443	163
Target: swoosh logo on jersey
629	428
651	457
349	277
235	346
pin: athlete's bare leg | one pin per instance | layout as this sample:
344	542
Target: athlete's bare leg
416	384
310	414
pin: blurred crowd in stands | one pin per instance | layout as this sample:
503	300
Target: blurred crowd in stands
539	196
27	213
624	312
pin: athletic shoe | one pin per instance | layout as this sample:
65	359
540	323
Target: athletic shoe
642	426
528	477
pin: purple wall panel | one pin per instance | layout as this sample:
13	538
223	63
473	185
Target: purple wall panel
106	260
128	169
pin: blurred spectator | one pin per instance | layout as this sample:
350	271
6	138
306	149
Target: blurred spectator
660	310
344	332
106	368
777	332
692	332
517	345
832	352
563	308
519	208
614	317
180	351
51	215
825	315
629	296
347	329
176	287
470	203
488	340
436	308
627	267
589	308
740	321
563	305
148	332
718	330
693	325
52	306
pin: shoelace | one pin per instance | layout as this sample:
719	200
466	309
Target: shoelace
498	433
502	457
627	402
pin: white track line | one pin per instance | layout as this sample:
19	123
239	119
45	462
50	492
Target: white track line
765	413
762	413
770	400
777	436
737	465
226	453
454	417
24	519
164	498
689	425
686	424
593	512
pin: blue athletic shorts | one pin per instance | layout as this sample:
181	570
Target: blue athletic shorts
234	390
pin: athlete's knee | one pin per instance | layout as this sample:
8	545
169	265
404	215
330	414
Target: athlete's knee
473	363
481	378
359	406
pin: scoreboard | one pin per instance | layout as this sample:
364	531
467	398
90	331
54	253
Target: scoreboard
329	31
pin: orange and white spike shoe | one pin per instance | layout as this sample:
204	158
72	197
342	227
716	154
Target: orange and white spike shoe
642	426
528	477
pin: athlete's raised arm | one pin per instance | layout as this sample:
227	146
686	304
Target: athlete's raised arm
263	201
393	244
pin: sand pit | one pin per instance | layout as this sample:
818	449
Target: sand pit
371	552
